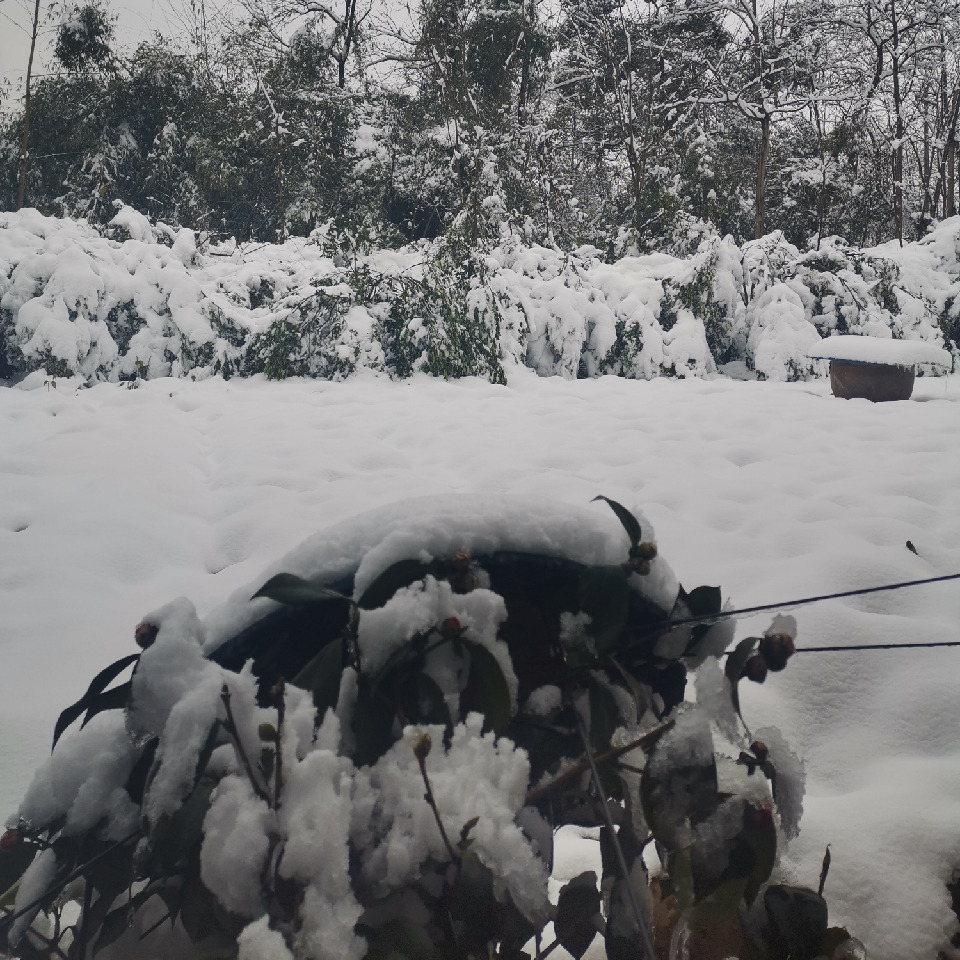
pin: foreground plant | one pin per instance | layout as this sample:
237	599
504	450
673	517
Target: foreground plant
379	773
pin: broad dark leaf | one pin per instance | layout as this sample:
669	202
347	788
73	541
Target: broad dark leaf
486	689
373	721
401	938
736	660
97	685
704	601
321	676
137	781
394	578
605	597
623	940
630	523
473	902
13	863
798	920
578	906
289	588
114	699
604	715
175	840
116	923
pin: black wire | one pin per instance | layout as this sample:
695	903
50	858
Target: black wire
727	614
878	646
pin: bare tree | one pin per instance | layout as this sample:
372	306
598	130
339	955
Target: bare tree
25	142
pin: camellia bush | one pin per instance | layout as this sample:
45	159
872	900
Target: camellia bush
370	757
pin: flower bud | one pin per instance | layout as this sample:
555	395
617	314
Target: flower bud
10	840
776	649
450	628
755	669
421	749
268	733
145	634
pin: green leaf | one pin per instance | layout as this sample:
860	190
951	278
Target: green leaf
113	699
321	676
798	920
605	597
14	862
761	835
290	589
373	719
604	715
115	925
97	685
736	660
394	578
832	939
630	523
136	784
578	907
473	902
704	602
175	840
486	689
403	938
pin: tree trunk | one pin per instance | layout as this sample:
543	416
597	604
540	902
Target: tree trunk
943	195
25	143
760	208
899	130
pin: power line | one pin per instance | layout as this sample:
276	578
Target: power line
878	646
759	608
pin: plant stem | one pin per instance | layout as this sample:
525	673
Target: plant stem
231	726
428	796
279	690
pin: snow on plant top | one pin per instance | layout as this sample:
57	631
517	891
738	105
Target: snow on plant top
902	353
428	527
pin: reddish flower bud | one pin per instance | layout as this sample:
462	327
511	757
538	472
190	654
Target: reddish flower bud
450	628
145	634
755	669
777	649
9	840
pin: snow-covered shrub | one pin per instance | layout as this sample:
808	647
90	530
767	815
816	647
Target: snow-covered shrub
138	299
369	757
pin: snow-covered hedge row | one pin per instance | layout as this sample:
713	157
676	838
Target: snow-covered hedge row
140	300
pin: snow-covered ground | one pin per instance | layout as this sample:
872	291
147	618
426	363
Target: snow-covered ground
114	500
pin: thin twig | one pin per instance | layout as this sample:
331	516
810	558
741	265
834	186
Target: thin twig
279	690
428	796
585	762
231	726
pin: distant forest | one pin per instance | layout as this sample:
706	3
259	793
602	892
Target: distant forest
627	126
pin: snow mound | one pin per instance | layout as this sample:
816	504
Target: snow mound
901	353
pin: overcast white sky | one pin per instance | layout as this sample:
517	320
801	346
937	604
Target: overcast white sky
137	20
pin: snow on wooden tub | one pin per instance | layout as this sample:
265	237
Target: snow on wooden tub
875	368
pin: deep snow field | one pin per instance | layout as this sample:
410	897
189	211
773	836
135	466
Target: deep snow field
113	501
